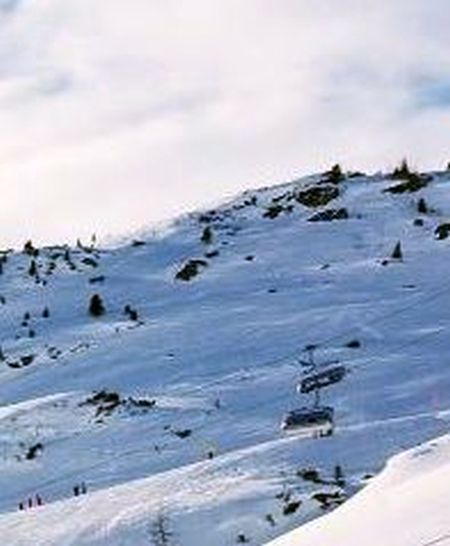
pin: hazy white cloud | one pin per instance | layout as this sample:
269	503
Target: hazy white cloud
117	114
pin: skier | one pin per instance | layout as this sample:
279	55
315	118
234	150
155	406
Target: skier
83	488
38	500
21	506
76	490
30	502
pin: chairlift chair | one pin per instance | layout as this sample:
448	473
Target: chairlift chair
322	379
315	422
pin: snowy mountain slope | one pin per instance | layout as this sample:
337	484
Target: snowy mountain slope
194	387
407	505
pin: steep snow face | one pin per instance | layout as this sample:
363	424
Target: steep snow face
168	406
407	505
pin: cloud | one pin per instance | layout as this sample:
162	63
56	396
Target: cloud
115	115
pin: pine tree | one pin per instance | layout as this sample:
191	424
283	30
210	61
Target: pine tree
96	307
397	253
29	249
335	174
160	533
339	475
402	172
422	207
207	236
32	271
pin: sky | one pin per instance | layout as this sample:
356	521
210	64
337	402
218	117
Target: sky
116	115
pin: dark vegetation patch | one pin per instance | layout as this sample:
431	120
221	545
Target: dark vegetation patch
397	253
97	280
89	261
138	243
291	507
142	403
275	209
30	250
353	344
33	451
312	475
212	254
209	217
317	196
329	500
106	402
185	433
207	236
422	207
131	313
415	183
334	175
54	353
96	306
411	181
23	362
356	174
329	215
190	269
442	231
309	475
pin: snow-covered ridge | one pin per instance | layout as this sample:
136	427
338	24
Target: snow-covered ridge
168	405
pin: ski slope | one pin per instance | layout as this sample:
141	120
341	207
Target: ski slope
201	377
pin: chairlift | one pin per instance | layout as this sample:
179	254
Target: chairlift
315	422
322	379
